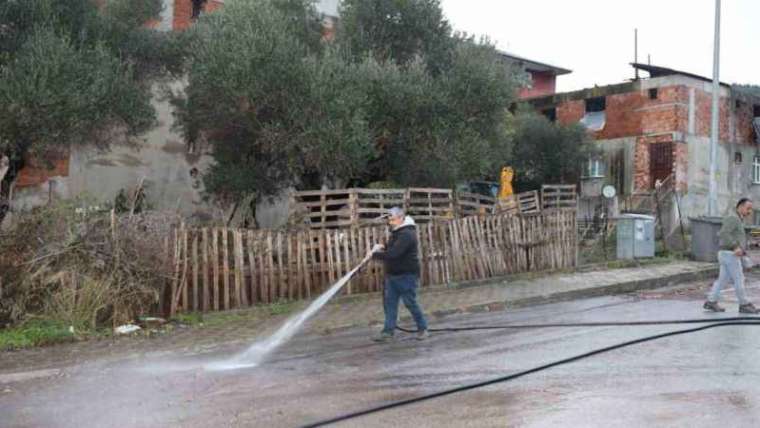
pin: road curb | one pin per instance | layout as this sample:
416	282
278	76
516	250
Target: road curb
607	290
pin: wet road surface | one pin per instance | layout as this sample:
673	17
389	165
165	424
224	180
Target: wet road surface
705	379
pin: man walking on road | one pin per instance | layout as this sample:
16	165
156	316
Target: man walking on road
402	272
733	247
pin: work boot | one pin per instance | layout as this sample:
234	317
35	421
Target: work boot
715	307
422	335
748	308
383	337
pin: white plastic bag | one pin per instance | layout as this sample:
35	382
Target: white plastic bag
747	262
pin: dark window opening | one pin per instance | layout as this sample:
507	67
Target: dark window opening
756	110
551	114
596	104
653	94
198	8
737	157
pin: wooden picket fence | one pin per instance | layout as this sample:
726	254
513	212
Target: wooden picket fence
221	268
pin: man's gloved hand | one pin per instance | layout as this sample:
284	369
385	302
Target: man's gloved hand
375	248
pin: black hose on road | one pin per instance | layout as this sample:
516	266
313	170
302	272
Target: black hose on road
584	324
735	321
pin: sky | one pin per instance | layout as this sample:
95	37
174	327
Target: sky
595	38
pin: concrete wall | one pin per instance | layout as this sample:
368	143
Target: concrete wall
172	174
167	16
734	179
273	213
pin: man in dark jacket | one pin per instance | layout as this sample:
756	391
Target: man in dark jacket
733	248
402	272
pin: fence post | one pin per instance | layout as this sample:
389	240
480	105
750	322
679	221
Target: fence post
353	202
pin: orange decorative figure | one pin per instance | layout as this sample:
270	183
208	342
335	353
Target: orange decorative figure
505	186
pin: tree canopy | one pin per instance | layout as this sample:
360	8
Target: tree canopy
546	152
750	89
400	31
71	70
280	110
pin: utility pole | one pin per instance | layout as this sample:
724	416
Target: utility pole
712	202
636	50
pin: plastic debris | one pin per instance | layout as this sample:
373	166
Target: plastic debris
126	329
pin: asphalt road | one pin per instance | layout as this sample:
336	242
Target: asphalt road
705	379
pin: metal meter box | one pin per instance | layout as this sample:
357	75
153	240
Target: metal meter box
635	236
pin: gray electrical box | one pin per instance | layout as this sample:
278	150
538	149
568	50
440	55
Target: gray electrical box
635	236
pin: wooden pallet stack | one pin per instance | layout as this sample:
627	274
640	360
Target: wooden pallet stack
559	196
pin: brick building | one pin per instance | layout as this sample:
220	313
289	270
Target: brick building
659	127
541	78
180	14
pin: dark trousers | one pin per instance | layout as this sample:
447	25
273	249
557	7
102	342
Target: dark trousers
402	287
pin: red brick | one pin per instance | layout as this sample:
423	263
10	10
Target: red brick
37	171
542	83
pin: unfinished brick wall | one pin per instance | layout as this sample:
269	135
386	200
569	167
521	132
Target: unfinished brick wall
38	170
570	112
681	166
642	178
634	113
655	116
183	12
703	115
743	114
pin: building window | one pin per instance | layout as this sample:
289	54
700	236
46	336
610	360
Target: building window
756	110
756	170
596	168
738	157
653	94
595	118
550	113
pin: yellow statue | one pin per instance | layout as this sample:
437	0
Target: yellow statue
505	186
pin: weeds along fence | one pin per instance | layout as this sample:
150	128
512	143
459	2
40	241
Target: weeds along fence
222	268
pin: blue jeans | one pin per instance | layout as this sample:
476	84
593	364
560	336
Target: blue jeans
731	269
402	287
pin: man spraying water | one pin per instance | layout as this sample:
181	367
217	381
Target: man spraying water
402	272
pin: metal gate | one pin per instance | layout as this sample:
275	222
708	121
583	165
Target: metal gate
660	161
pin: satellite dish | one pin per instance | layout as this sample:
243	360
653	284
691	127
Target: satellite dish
609	191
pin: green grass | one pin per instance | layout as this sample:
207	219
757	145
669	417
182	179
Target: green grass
191	318
256	313
281	307
34	333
